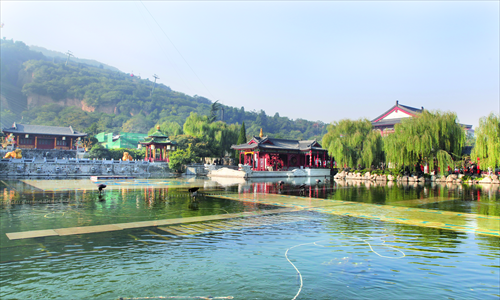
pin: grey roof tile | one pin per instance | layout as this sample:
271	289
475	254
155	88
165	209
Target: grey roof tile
283	144
43	129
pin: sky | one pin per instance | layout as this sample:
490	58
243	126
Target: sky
314	60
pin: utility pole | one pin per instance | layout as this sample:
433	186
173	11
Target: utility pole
69	54
156	77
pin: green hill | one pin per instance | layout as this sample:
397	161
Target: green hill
60	57
46	91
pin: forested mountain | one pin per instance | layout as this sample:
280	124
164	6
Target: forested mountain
39	90
62	57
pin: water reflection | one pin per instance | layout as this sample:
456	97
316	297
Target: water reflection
484	200
343	256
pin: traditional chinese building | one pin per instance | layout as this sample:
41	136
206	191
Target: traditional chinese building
158	146
43	137
386	121
271	154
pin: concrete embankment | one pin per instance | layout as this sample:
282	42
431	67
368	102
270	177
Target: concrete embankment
63	163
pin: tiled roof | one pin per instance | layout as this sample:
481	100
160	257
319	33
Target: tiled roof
157	137
279	144
408	109
387	122
157	140
158	133
42	129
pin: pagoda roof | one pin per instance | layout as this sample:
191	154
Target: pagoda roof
158	134
42	129
157	137
396	113
157	140
278	144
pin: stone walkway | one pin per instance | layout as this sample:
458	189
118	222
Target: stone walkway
155	223
407	214
464	222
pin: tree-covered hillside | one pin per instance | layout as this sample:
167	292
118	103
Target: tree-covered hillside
114	101
62	57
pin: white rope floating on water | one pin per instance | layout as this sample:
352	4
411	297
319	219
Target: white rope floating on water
298	272
376	251
315	243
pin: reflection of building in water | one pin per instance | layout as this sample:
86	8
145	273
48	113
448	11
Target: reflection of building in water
154	195
274	188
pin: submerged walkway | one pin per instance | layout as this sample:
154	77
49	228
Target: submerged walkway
479	224
463	222
131	225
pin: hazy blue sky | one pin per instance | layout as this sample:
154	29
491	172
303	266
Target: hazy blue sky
325	60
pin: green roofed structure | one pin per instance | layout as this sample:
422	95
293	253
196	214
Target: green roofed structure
122	140
158	146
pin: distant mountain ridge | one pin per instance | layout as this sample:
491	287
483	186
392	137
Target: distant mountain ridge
60	55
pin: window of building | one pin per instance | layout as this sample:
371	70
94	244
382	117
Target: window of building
26	141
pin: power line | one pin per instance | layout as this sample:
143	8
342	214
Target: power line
163	48
177	50
69	54
154	84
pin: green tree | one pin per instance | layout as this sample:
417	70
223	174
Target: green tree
137	124
92	129
7	118
197	126
353	143
172	129
216	106
242	138
200	148
487	147
180	158
434	137
224	136
218	135
98	151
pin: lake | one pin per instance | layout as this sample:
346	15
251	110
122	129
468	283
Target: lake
256	239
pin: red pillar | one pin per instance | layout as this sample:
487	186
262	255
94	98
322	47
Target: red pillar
257	161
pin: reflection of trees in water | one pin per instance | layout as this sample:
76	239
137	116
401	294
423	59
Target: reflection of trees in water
466	199
384	194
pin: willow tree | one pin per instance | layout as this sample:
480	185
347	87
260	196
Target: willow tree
218	135
169	128
434	137
353	143
487	147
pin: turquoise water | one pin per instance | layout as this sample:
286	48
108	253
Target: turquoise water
336	257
